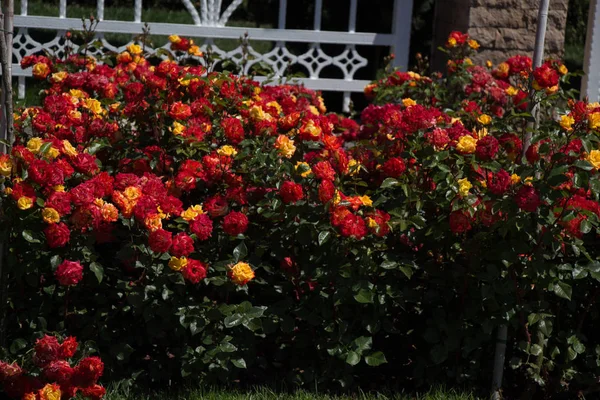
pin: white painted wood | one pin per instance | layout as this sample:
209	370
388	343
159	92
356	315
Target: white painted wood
62	9
401	32
209	24
100	10
590	84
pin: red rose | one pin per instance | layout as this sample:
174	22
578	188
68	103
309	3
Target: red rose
499	182
216	206
326	191
94	392
528	199
9	371
60	201
459	222
291	192
88	371
160	241
194	271
69	273
324	170
235	223
68	348
85	163
58	371
394	167
57	235
487	147
46	350
438	138
182	246
180	111
353	226
288	265
202	227
233	129
546	76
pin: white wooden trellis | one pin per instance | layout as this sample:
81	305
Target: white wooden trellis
590	85
210	23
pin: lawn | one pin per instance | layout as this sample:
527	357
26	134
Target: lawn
120	393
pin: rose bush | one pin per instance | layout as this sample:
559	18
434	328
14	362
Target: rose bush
193	223
49	374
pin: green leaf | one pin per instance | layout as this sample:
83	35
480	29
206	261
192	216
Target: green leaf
388	183
28	235
586	226
98	270
438	353
352	358
563	290
18	345
364	296
584	165
406	270
240	252
363	343
239	363
233	320
324	237
45	147
536	350
389	264
375	359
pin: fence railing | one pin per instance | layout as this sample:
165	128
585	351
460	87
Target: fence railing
210	24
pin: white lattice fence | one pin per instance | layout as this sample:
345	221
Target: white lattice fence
210	23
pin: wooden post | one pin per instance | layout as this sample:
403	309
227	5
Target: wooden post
6	44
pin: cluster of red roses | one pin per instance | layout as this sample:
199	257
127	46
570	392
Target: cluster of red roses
57	378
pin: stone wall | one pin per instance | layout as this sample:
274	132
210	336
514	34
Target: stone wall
502	27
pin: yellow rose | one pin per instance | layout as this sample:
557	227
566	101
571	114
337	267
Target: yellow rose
174	39
241	273
78	94
195	51
25	203
34	144
511	91
463	187
353	167
134	49
285	146
451	42
68	149
58	76
53	152
177	264
192	212
371	223
227	150
514	179
312	129
594	120
153	222
489	64
59	188
466	144
594	158
473	44
313	110
407	102
304	169
75	115
177	128
132	193
5	166
322	107
366	201
50	215
563	70
275	105
484	119
257	113
94	106
566	122
50	392
41	70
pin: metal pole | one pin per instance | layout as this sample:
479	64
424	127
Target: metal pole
538	56
499	361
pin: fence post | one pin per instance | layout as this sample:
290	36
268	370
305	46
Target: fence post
401	24
6	43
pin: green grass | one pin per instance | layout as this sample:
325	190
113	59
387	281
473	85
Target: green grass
154	14
118	392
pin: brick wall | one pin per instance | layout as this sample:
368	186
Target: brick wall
502	27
